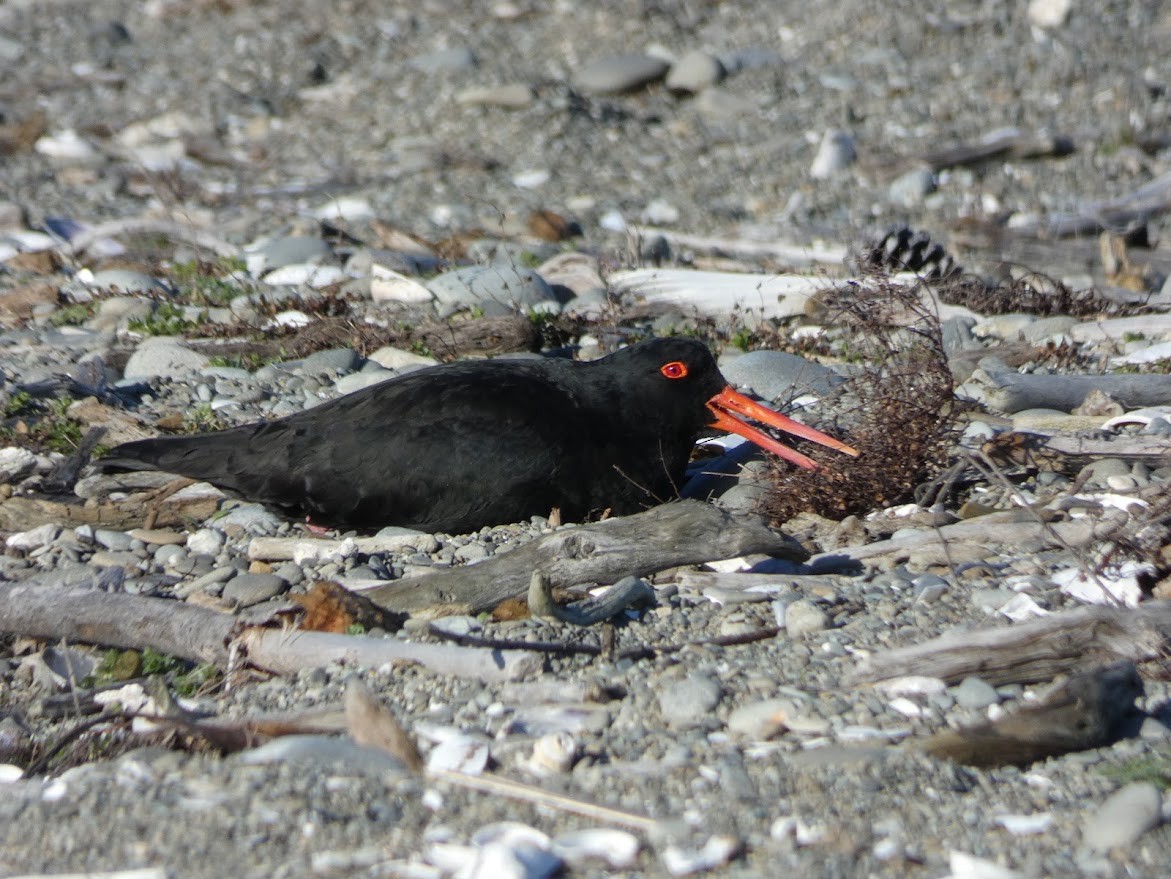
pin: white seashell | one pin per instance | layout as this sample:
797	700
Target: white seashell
497	861
906	707
1141	416
54	791
351	208
510	833
387	285
1106	588
965	866
531	179
305	273
291	318
1026	825
1022	607
66	145
460	753
452	858
553	753
912	685
28	241
617	849
716	852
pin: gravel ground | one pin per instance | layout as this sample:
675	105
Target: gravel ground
247	120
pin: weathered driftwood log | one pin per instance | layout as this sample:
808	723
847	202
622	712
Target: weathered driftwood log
682	533
1009	143
23	513
1013	392
1149	200
990	530
201	635
290	650
115	619
1128	448
1033	651
1089	711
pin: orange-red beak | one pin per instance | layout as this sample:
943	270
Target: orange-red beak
728	401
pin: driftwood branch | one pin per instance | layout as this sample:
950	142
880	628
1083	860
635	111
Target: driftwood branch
115	619
990	530
683	533
1013	392
999	145
1129	448
202	635
1033	651
289	651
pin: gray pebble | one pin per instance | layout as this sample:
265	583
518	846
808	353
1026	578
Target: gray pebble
163	356
1124	817
512	96
249	589
293	250
206	540
688	701
974	693
911	188
694	72
482	285
621	73
115	540
835	154
338	360
445	60
778	375
803	616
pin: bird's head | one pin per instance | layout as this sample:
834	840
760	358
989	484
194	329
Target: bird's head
681	378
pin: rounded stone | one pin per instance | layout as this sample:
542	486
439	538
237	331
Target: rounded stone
1124	817
688	701
776	375
834	155
620	73
249	589
162	356
694	72
501	284
974	693
804	616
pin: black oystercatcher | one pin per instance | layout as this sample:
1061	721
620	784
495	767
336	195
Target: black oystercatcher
454	448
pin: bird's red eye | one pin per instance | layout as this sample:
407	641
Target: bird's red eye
674	369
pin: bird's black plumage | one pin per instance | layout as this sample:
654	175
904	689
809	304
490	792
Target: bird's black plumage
456	447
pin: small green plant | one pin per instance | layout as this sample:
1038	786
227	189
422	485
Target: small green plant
43	425
167	320
742	339
156	663
72	315
195	680
1155	768
356	629
1134	337
251	361
209	284
17	403
202	418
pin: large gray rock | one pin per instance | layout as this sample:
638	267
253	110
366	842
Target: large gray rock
163	355
518	289
778	375
1124	817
